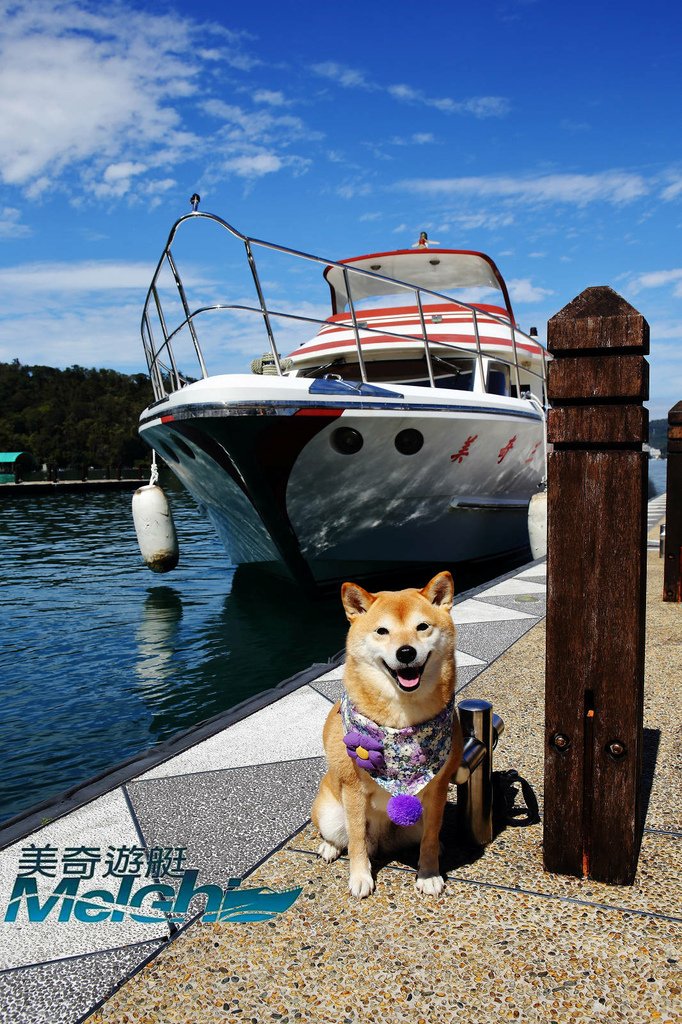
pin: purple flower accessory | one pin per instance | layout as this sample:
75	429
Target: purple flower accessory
367	753
409	757
404	809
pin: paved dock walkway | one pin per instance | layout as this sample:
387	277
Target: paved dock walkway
505	941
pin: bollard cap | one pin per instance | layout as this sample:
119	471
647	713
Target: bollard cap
475	705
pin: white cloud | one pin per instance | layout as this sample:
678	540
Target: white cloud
101	336
76	85
479	106
521	289
270	96
474	221
100	91
86	276
614	187
254	166
253	143
349	78
672	191
354	78
10	224
657	279
665	329
416	139
353	189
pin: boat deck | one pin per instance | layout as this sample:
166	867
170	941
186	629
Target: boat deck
505	941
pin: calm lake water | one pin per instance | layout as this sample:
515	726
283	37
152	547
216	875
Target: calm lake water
101	659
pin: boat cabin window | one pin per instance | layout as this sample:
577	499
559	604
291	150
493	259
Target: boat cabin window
455	374
497	379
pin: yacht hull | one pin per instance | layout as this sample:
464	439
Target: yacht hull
386	477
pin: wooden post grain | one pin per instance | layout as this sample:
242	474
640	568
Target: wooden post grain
597	495
672	572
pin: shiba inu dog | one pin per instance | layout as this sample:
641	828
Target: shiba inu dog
394	742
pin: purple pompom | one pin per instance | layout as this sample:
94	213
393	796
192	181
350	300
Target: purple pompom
404	809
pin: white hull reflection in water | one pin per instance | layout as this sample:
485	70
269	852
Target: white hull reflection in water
157	637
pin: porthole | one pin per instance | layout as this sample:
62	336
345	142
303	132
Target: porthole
168	451
183	446
346	440
409	442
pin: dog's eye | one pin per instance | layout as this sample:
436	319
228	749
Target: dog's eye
382	631
423	625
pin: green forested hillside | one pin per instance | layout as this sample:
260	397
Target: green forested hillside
72	417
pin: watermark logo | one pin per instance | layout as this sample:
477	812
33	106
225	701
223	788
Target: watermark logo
136	891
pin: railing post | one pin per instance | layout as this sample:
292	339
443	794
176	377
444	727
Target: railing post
672	566
597	495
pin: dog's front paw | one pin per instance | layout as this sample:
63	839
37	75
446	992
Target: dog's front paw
328	852
361	884
430	885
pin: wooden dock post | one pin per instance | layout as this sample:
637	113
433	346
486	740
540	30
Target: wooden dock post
672	571
596	586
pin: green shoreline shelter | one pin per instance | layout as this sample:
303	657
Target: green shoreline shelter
13	465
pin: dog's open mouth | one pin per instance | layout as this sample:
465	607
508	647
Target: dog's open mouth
408	678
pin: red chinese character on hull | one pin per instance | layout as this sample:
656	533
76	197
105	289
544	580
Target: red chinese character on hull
461	455
533	451
504	452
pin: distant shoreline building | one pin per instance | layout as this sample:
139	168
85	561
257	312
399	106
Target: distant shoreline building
14	465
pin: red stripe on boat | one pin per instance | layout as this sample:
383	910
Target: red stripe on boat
167	419
318	412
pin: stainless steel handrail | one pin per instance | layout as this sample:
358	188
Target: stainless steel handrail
159	370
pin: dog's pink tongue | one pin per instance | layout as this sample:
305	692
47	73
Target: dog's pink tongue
408	683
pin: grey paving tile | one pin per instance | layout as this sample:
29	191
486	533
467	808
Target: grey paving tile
63	991
332	688
102	823
515	585
475	610
531	604
229	820
485	643
289	728
535	572
466	673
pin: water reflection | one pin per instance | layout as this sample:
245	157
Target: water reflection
263	632
156	636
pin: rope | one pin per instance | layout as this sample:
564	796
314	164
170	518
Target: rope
154	475
265	365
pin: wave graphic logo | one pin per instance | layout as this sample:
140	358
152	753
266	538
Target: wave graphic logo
156	902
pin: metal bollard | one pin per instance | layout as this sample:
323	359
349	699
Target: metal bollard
661	540
481	729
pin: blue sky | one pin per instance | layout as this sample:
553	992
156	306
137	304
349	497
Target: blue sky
546	134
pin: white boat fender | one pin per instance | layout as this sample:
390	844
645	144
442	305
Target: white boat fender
155	529
537	524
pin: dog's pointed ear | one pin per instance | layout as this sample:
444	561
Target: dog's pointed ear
356	601
440	591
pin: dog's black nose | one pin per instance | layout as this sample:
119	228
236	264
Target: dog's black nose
406	654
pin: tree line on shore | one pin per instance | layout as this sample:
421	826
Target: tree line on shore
73	417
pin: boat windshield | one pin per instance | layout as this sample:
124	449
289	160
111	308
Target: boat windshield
452	373
467	276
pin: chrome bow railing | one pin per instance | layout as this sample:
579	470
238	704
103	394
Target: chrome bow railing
163	365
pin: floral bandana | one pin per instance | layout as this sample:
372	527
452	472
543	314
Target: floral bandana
403	761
